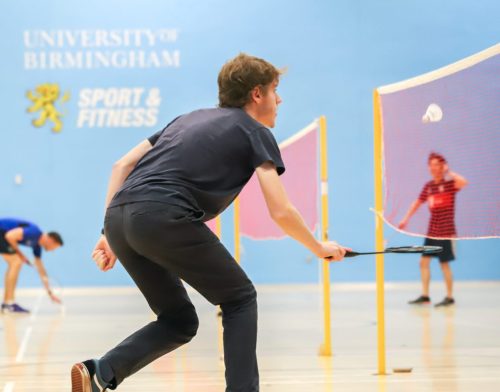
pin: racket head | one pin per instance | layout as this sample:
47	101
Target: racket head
426	250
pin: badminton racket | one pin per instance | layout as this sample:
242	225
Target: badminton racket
425	250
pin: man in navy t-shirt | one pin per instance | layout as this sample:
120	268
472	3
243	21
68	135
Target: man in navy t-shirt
15	232
159	196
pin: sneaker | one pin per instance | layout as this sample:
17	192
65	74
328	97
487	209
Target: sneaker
86	377
13	308
447	301
423	299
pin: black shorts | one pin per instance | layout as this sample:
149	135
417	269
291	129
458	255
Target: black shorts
5	247
448	253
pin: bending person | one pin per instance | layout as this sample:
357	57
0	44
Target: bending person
15	232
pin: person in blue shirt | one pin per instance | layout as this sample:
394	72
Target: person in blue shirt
15	232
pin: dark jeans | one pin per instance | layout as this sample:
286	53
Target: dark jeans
159	245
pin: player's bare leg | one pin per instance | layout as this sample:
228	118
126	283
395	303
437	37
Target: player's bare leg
448	280
425	274
14	264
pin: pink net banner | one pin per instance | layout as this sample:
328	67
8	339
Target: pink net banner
212	225
301	180
455	113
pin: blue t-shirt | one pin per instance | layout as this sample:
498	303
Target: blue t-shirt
31	233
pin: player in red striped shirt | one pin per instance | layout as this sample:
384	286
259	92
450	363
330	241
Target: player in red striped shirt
439	193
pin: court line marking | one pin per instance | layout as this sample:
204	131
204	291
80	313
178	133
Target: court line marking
36	307
24	344
29	330
9	385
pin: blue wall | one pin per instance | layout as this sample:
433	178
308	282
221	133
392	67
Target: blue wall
336	52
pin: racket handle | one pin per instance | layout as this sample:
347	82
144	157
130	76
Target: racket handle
347	254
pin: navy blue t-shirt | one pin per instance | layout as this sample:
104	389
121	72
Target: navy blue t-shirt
201	161
31	233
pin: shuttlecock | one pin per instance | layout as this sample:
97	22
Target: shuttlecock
433	114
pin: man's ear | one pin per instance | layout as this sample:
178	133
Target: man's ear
256	94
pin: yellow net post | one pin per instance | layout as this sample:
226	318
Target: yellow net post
326	347
379	231
237	244
220	329
218	227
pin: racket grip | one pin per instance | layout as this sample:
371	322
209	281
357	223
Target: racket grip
347	254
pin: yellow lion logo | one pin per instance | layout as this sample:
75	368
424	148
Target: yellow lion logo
44	99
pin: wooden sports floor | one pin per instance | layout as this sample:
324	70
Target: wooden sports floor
452	349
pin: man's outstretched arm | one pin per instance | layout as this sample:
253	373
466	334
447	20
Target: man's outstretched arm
288	218
45	279
413	208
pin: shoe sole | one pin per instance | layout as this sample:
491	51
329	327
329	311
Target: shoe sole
6	311
80	378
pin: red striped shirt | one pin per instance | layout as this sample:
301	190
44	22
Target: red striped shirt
440	198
